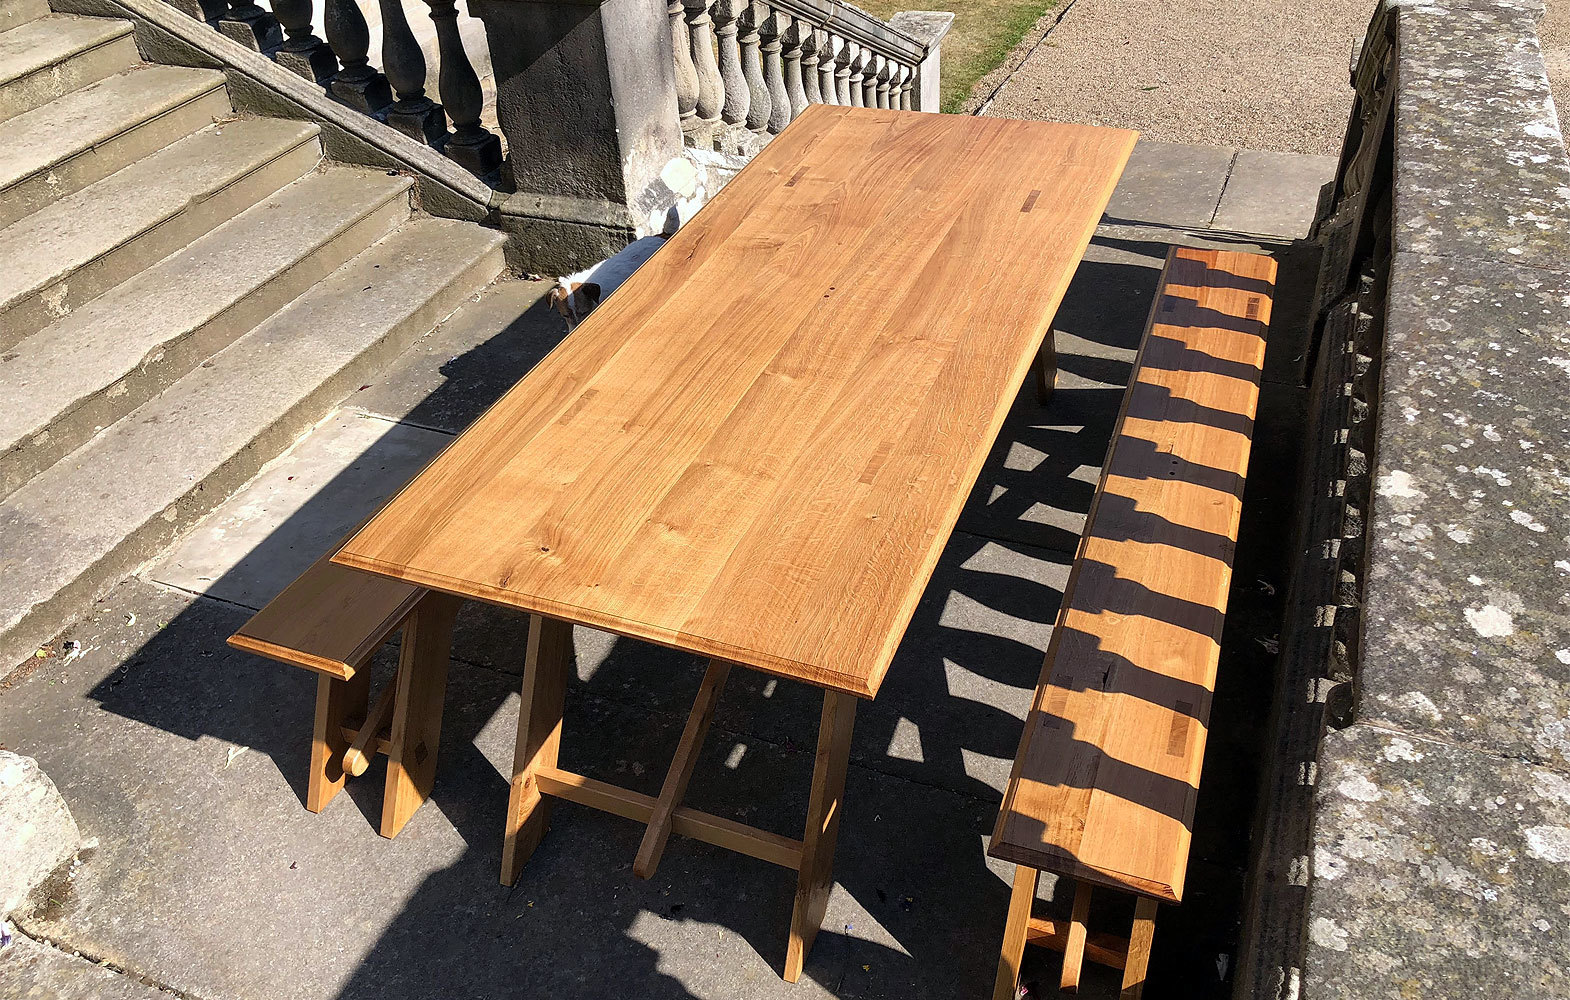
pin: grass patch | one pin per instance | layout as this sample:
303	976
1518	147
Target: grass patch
984	31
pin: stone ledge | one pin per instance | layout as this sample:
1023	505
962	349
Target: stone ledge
1480	167
1466	623
1439	872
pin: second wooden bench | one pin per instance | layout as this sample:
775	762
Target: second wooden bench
1104	785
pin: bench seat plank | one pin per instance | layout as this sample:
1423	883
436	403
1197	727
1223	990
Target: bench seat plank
332	619
1108	768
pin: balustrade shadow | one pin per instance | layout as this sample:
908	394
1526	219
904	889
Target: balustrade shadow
931	754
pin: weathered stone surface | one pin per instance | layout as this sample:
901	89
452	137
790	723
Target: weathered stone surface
1480	166
37	833
1439	872
33	971
1171	184
1272	194
1467	612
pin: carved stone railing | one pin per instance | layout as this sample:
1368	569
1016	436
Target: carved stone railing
745	68
395	93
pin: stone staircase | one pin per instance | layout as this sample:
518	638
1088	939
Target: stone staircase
183	292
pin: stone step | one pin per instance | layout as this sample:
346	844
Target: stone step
65	254
60	148
54	55
118	351
15	13
89	521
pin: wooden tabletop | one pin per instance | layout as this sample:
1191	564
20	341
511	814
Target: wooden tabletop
756	449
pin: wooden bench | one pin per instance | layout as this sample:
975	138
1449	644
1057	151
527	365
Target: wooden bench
332	620
1104	785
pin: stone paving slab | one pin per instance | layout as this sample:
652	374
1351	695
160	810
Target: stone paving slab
1467	634
1273	194
30	970
1439	872
1171	184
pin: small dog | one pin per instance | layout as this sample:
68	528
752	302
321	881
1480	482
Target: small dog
576	295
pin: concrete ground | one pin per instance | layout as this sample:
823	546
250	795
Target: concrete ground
187	760
1250	74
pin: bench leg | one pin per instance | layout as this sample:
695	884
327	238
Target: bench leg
816	875
545	671
337	702
1047	368
1020	902
686	758
1139	947
1078	933
423	656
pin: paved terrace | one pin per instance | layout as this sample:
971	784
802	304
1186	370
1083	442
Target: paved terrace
186	761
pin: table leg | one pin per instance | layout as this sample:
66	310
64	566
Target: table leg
337	702
423	655
1015	930
823	820
545	673
685	759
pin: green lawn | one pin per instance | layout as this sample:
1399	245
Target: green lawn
983	33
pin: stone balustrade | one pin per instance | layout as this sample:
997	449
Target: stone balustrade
395	93
744	70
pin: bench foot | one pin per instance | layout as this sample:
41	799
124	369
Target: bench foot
816	875
337	702
545	670
423	655
1020	902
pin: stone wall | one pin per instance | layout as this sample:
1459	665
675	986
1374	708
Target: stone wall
1437	863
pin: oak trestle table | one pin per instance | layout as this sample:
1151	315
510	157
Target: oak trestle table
757	448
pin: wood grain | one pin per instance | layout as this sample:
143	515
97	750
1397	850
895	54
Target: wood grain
757	448
825	806
1108	768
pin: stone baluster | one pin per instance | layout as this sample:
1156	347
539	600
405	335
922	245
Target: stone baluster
829	47
771	29
809	64
711	83
869	81
907	79
850	82
413	114
686	72
250	25
886	70
472	146
752	68
357	84
302	52
738	95
794	42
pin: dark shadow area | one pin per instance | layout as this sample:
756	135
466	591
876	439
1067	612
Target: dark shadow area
922	910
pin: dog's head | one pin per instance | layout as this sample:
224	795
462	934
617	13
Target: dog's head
574	300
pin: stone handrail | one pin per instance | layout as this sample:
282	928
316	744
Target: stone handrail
1416	817
395	93
744	68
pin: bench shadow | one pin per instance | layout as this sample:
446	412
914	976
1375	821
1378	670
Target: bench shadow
922	907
